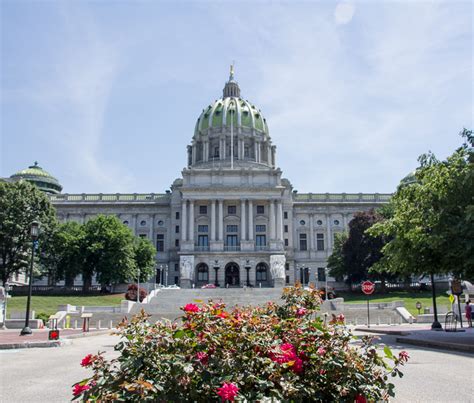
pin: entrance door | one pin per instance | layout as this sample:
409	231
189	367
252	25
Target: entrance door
232	275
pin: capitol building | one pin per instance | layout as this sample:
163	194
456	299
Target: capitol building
230	219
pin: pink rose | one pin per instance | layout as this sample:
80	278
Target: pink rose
403	356
202	357
191	308
321	351
301	312
87	360
78	389
228	391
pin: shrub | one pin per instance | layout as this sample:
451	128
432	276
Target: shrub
282	352
131	293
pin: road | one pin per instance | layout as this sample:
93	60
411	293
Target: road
46	375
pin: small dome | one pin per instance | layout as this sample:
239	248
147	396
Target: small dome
408	180
39	177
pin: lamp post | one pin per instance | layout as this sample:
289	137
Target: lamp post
435	325
138	286
34	233
326	282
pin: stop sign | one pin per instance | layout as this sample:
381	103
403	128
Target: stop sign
368	287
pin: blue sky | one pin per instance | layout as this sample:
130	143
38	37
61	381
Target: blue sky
105	94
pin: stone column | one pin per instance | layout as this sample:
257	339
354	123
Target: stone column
243	234
152	226
191	220
194	153
184	221
134	223
213	220
269	154
221	220
328	232
272	219
279	220
255	151
224	151
311	232
251	228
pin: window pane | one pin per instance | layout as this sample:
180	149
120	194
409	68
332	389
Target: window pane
261	240
231	240
261	228
203	228
232	228
231	209
260	209
203	240
202	209
321	274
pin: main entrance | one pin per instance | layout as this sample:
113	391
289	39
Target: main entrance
232	275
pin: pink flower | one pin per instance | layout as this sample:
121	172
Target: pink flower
78	389
321	351
360	399
322	371
287	355
191	308
340	318
87	360
202	357
228	391
403	356
301	312
297	366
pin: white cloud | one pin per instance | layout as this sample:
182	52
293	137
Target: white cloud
344	12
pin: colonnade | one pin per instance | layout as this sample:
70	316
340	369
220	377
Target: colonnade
247	219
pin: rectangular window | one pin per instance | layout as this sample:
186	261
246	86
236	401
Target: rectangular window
202	209
321	274
303	242
260	228
176	280
160	242
260	209
232	210
176	229
261	240
232	228
216	152
286	241
203	228
320	241
287	266
203	275
287	279
261	274
231	240
203	240
176	267
176	243
285	215
177	215
285	228
246	152
142	235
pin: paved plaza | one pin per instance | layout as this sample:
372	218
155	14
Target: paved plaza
46	374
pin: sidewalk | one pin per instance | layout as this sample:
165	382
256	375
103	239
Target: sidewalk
422	335
11	339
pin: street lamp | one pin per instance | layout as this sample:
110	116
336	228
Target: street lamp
326	280
34	233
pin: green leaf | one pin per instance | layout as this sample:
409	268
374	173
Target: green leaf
388	352
180	333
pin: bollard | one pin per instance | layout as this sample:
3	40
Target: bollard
68	322
98	325
389	321
378	320
110	324
75	324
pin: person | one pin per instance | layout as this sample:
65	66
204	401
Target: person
468	311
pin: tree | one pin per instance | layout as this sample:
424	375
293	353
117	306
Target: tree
108	251
21	203
432	227
144	256
62	253
336	264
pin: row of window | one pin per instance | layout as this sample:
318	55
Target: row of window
143	223
304	274
304	242
319	222
231	210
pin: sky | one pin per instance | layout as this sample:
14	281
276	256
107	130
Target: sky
105	94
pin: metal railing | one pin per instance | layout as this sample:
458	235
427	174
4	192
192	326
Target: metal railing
343	197
261	247
201	248
231	248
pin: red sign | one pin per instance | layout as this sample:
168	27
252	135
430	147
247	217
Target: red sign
368	287
53	335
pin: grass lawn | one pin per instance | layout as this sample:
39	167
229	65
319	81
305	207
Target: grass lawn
410	299
49	305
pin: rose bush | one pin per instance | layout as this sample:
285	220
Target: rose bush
285	352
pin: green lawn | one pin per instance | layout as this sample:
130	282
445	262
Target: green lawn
49	305
410	299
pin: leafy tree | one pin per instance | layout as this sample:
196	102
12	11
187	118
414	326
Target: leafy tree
336	264
62	253
432	227
108	251
144	256
21	203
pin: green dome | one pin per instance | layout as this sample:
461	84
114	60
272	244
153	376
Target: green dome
39	177
219	114
231	107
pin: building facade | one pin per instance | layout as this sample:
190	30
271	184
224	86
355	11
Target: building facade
231	219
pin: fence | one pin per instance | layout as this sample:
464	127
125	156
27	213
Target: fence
55	290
